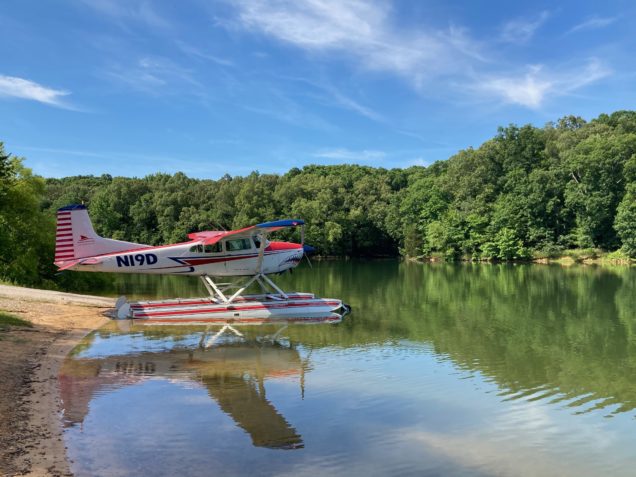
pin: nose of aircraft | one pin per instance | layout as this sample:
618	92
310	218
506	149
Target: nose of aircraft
308	249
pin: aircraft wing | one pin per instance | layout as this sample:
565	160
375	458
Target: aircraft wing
205	235
211	237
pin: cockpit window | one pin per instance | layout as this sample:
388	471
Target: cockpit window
214	248
238	244
196	249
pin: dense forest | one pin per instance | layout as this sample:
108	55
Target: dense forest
528	192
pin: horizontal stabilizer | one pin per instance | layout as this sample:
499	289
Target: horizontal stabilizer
66	265
83	261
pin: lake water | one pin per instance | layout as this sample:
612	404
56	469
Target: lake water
440	370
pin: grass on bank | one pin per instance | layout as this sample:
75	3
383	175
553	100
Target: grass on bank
7	320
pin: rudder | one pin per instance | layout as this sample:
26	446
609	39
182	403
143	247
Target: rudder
75	237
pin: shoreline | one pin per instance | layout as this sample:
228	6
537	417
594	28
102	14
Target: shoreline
564	261
31	435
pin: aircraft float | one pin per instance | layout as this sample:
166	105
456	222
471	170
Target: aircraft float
237	253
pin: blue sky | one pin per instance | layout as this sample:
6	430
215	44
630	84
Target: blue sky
133	87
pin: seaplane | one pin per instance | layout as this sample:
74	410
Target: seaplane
245	253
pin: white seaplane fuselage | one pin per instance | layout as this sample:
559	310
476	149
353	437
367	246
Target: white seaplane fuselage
231	257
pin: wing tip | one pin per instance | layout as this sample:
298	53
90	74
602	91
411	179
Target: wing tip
282	223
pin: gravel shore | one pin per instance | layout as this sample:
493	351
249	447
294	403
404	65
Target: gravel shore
31	441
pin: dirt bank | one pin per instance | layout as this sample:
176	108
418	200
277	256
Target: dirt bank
31	440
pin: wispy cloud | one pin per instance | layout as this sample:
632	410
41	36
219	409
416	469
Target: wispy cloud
434	61
361	30
328	94
12	86
291	113
592	24
155	75
521	30
533	87
123	11
352	105
342	154
130	162
203	55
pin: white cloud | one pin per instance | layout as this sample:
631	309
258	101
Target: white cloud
419	161
521	30
342	154
434	61
532	88
592	24
527	90
22	88
361	30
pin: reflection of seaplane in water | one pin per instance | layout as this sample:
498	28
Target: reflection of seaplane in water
238	253
233	375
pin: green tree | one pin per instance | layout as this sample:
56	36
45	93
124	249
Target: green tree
26	232
625	222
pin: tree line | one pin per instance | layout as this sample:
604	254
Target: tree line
526	192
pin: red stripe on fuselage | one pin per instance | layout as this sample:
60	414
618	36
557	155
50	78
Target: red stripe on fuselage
205	260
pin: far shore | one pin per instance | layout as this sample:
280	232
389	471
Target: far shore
31	441
575	258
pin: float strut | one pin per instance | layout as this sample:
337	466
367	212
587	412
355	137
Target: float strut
216	335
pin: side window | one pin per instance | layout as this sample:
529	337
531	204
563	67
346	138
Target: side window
214	248
257	241
196	249
238	244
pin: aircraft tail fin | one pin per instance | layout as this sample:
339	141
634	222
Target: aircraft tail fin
75	237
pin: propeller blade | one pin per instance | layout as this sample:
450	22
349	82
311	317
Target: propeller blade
307	249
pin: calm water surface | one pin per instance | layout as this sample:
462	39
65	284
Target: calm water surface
439	370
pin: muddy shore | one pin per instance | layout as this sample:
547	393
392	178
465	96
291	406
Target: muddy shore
31	441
